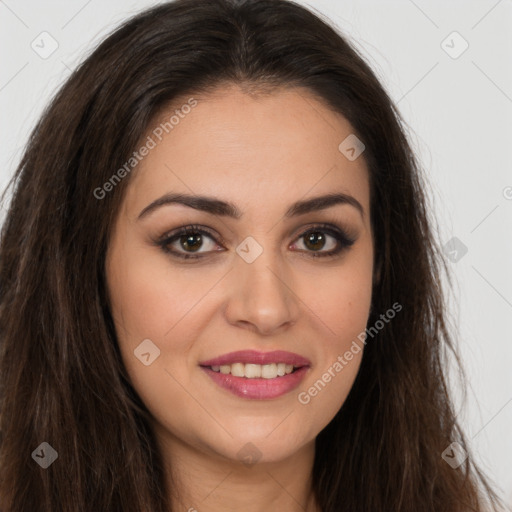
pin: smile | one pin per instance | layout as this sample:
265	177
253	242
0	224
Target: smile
257	375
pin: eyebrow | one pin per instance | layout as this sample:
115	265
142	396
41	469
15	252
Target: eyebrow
216	206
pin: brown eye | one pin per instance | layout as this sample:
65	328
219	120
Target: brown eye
187	241
317	239
193	241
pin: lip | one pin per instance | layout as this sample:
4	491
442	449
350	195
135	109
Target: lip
259	388
255	357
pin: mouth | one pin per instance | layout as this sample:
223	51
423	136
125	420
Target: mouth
257	375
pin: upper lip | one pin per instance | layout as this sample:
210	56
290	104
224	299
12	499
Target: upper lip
255	357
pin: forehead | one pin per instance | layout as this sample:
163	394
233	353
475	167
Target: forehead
256	151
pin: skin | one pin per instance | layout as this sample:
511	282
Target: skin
261	154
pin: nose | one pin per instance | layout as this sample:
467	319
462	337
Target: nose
261	296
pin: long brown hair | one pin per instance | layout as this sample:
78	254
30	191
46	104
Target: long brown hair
62	380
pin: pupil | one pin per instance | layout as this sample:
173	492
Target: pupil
188	241
316	239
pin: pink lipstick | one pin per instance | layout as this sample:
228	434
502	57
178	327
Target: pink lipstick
257	375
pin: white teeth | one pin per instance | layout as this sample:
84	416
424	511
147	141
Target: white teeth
252	371
255	371
237	370
269	371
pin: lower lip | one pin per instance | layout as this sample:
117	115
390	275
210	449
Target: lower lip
258	389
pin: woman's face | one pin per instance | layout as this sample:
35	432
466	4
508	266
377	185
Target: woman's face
256	284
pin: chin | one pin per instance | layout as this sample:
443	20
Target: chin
263	445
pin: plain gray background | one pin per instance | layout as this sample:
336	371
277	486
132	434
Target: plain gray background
457	103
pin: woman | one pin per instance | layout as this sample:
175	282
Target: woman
219	284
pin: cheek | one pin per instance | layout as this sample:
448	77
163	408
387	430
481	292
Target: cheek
342	301
339	355
147	305
149	300
343	307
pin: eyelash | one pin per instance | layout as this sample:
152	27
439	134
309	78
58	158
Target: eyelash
343	239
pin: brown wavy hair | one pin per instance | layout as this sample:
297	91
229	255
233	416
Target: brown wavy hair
62	380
